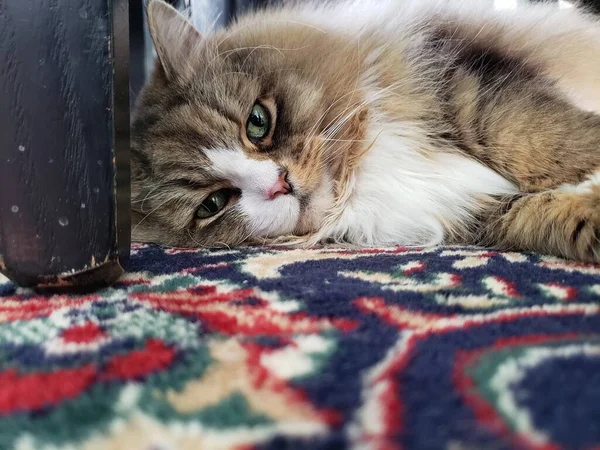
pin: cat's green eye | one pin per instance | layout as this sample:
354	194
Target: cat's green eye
259	123
214	203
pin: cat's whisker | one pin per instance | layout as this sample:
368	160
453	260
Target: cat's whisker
246	237
148	197
194	240
224	244
239	29
344	140
224	54
230	34
253	76
333	120
158	195
233	72
270	72
142	207
150	213
281	50
355	90
312	131
272	20
213	26
303	24
251	232
333	129
266	235
338	98
250	54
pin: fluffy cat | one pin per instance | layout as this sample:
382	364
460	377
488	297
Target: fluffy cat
373	123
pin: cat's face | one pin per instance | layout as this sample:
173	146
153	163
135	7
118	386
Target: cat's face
228	142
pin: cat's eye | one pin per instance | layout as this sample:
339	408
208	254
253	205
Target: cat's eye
259	123
214	203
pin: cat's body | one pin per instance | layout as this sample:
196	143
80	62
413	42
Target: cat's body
389	122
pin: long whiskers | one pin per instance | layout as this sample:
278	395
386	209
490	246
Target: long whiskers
150	213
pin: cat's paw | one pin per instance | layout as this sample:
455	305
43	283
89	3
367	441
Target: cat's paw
559	223
583	228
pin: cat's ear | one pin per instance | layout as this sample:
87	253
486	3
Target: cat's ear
175	39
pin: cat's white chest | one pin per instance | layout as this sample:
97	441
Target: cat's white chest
407	194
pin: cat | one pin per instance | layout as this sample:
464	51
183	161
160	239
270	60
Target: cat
373	123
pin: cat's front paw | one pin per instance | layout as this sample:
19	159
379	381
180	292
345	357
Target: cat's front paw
583	228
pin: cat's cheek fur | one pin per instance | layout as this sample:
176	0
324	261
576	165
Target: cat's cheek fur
269	218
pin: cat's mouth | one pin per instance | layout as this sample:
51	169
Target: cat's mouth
314	206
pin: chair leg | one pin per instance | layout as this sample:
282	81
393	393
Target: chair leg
64	142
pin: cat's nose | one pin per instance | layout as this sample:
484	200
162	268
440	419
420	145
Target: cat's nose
281	187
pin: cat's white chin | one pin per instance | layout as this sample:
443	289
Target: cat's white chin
270	218
285	215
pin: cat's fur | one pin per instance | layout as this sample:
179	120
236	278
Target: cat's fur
411	122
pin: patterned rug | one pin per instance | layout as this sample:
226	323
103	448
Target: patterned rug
448	348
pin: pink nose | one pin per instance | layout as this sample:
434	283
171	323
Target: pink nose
281	186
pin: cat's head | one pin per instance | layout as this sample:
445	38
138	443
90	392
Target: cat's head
234	138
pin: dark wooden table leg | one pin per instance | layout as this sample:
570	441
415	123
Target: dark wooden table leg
64	142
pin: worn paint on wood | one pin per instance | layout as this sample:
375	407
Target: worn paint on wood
64	139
